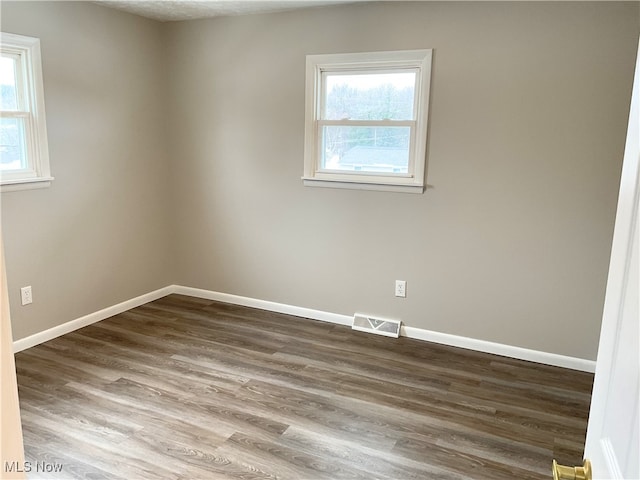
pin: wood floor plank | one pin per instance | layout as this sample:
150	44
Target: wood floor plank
188	388
377	463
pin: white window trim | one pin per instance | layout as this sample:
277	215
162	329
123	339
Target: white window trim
413	182
38	173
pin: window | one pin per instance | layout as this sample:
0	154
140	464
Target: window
24	156
366	120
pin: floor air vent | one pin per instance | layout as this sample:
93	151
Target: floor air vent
364	323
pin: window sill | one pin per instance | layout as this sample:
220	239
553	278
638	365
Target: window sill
30	184
383	187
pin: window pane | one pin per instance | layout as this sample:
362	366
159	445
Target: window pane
12	144
366	149
379	96
8	90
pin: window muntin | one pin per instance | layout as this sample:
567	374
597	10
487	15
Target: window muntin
24	159
366	119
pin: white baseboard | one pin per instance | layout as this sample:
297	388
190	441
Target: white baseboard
67	327
264	305
501	349
410	332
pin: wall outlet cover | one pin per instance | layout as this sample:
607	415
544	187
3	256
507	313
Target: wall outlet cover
26	295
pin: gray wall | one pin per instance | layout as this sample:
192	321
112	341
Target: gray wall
100	234
510	243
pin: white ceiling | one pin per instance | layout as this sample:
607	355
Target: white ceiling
175	10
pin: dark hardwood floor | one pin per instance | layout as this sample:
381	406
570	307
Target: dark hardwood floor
185	388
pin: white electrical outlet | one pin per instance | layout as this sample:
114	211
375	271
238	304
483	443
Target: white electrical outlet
27	297
401	288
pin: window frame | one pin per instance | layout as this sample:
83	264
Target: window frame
317	67
31	111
